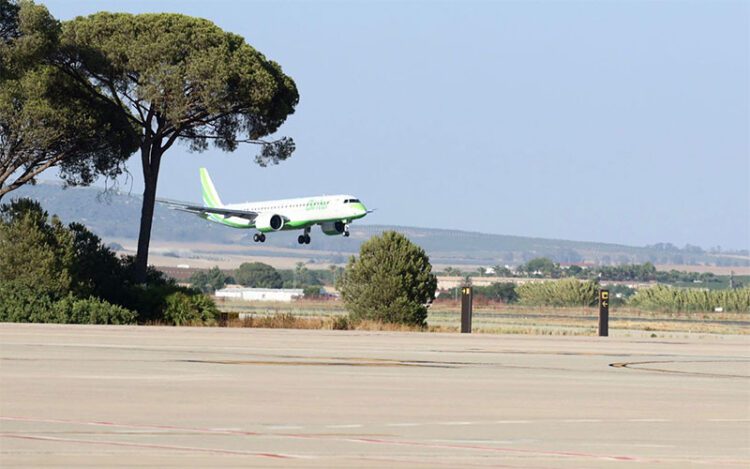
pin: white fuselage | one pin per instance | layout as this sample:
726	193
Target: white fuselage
298	213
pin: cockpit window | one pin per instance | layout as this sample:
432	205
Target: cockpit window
351	201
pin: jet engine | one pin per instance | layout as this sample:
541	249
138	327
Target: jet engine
332	228
269	222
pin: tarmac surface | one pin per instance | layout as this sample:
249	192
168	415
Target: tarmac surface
94	396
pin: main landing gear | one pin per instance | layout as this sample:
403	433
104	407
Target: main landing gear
259	238
304	238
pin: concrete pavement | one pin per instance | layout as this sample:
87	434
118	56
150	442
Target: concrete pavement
173	397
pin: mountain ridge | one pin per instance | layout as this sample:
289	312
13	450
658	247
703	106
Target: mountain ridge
116	215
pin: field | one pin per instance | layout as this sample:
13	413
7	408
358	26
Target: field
497	318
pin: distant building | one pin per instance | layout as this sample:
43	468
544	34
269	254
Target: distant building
260	294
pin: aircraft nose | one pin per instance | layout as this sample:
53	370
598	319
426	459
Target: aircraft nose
360	208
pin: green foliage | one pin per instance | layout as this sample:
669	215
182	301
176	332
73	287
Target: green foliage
311	291
302	277
505	292
50	273
231	90
175	77
680	299
35	252
565	292
72	310
390	282
258	275
23	304
210	281
541	266
47	118
183	308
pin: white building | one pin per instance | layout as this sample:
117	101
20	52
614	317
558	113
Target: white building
259	294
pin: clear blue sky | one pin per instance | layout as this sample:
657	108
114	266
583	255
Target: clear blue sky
622	122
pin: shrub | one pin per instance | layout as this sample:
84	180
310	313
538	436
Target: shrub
565	292
92	310
390	282
691	299
22	304
189	309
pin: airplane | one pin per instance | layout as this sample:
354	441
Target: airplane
333	213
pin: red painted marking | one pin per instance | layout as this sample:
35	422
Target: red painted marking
325	437
147	445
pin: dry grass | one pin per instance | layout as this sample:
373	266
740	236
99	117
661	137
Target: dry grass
290	321
281	321
490	318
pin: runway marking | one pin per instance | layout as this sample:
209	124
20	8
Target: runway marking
581	420
363	440
152	446
649	420
126	425
729	420
493	449
368	363
351	425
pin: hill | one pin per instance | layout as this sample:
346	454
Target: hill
115	216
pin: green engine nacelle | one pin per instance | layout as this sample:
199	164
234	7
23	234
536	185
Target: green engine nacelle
332	228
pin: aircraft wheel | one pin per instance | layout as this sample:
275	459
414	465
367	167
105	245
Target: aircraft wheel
346	234
262	238
256	238
301	239
307	239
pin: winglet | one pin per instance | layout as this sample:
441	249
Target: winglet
210	196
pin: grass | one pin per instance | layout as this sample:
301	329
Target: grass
290	321
489	318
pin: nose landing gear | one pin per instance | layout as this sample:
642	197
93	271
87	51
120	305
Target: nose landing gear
346	230
259	237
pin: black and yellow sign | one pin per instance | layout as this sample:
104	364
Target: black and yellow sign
603	313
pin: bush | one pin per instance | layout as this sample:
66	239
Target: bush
683	299
390	282
565	292
505	292
72	310
189	309
53	273
22	304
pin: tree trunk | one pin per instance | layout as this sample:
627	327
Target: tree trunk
151	158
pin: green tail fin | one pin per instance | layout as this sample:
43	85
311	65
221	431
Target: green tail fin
210	196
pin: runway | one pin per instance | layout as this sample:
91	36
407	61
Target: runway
93	396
